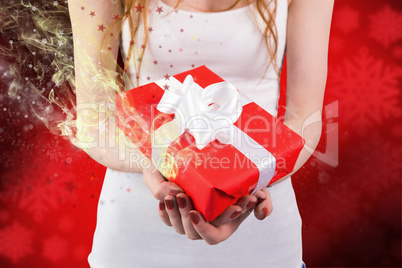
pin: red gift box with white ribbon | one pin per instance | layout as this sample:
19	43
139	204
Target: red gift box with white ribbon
203	134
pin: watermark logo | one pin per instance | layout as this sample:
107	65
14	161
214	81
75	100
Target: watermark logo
99	127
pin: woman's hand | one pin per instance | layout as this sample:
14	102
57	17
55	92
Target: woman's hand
159	187
227	223
178	211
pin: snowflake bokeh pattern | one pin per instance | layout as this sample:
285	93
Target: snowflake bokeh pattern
368	89
375	152
337	43
397	52
38	196
346	19
386	26
55	248
16	241
48	188
54	150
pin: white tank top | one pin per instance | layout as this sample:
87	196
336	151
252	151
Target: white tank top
129	232
229	43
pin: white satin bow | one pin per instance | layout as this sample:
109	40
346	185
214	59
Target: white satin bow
207	114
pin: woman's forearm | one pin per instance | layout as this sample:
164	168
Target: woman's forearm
116	154
310	132
307	54
96	87
97	131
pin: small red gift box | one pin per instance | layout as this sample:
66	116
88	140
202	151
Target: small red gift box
207	137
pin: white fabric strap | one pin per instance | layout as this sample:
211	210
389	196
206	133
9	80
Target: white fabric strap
212	113
263	159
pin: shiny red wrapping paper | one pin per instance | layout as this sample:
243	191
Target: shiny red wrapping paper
218	175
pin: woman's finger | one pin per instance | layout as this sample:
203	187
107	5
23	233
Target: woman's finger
261	196
174	214
224	225
158	186
231	213
247	202
163	214
237	221
265	207
211	234
185	205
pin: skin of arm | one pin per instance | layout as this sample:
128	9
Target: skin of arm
309	23
87	37
108	145
307	48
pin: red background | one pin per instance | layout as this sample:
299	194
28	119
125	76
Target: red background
351	213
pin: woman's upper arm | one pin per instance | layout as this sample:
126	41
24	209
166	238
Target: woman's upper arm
90	20
307	49
306	53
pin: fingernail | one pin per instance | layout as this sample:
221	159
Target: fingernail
265	213
161	206
169	204
251	204
194	217
181	202
235	214
174	192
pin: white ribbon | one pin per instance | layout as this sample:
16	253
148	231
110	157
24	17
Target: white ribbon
208	114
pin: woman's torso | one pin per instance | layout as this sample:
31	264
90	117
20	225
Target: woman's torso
129	232
229	43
